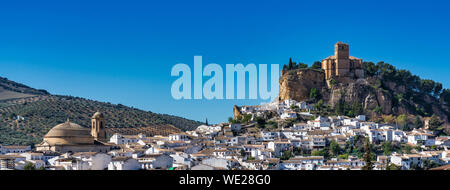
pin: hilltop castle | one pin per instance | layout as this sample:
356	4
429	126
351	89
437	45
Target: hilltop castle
341	64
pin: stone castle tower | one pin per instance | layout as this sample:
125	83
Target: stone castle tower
98	130
341	64
341	51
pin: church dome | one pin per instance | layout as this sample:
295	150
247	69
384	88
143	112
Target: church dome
69	133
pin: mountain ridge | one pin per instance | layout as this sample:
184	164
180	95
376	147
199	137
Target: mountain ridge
27	114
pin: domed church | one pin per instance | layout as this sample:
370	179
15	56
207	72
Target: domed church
71	137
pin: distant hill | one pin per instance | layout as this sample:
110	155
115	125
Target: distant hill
27	114
13	90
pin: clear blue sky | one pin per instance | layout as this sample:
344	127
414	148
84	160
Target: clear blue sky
122	52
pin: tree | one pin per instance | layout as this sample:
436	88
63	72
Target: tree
335	149
243	152
407	149
434	123
367	157
387	148
291	64
445	96
316	153
418	123
377	110
286	155
339	108
357	108
316	65
389	119
246	118
332	82
301	66
313	94
437	89
322	152
393	167
370	68
319	105
261	122
426	86
29	166
402	121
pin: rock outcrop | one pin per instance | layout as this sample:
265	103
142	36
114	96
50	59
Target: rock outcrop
370	92
296	84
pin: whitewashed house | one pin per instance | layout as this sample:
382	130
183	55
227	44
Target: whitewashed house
15	149
288	115
178	137
123	163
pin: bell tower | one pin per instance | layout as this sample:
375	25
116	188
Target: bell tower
98	127
341	52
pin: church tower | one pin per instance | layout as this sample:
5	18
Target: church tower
342	54
98	127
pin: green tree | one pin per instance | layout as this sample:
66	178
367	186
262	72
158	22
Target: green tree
407	149
377	110
343	156
418	123
339	108
357	108
291	64
434	123
437	89
445	96
316	153
313	94
393	167
427	86
286	155
367	157
388	119
301	66
402	121
261	122
335	149
316	65
322	152
333	82
370	68
242	152
318	106
29	166
387	148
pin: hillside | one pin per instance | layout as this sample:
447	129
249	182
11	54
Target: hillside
384	94
27	118
13	90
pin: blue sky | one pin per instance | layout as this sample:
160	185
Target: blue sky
123	51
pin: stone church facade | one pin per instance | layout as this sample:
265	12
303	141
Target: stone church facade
71	137
341	65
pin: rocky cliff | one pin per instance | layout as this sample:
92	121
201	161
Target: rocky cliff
296	84
373	93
